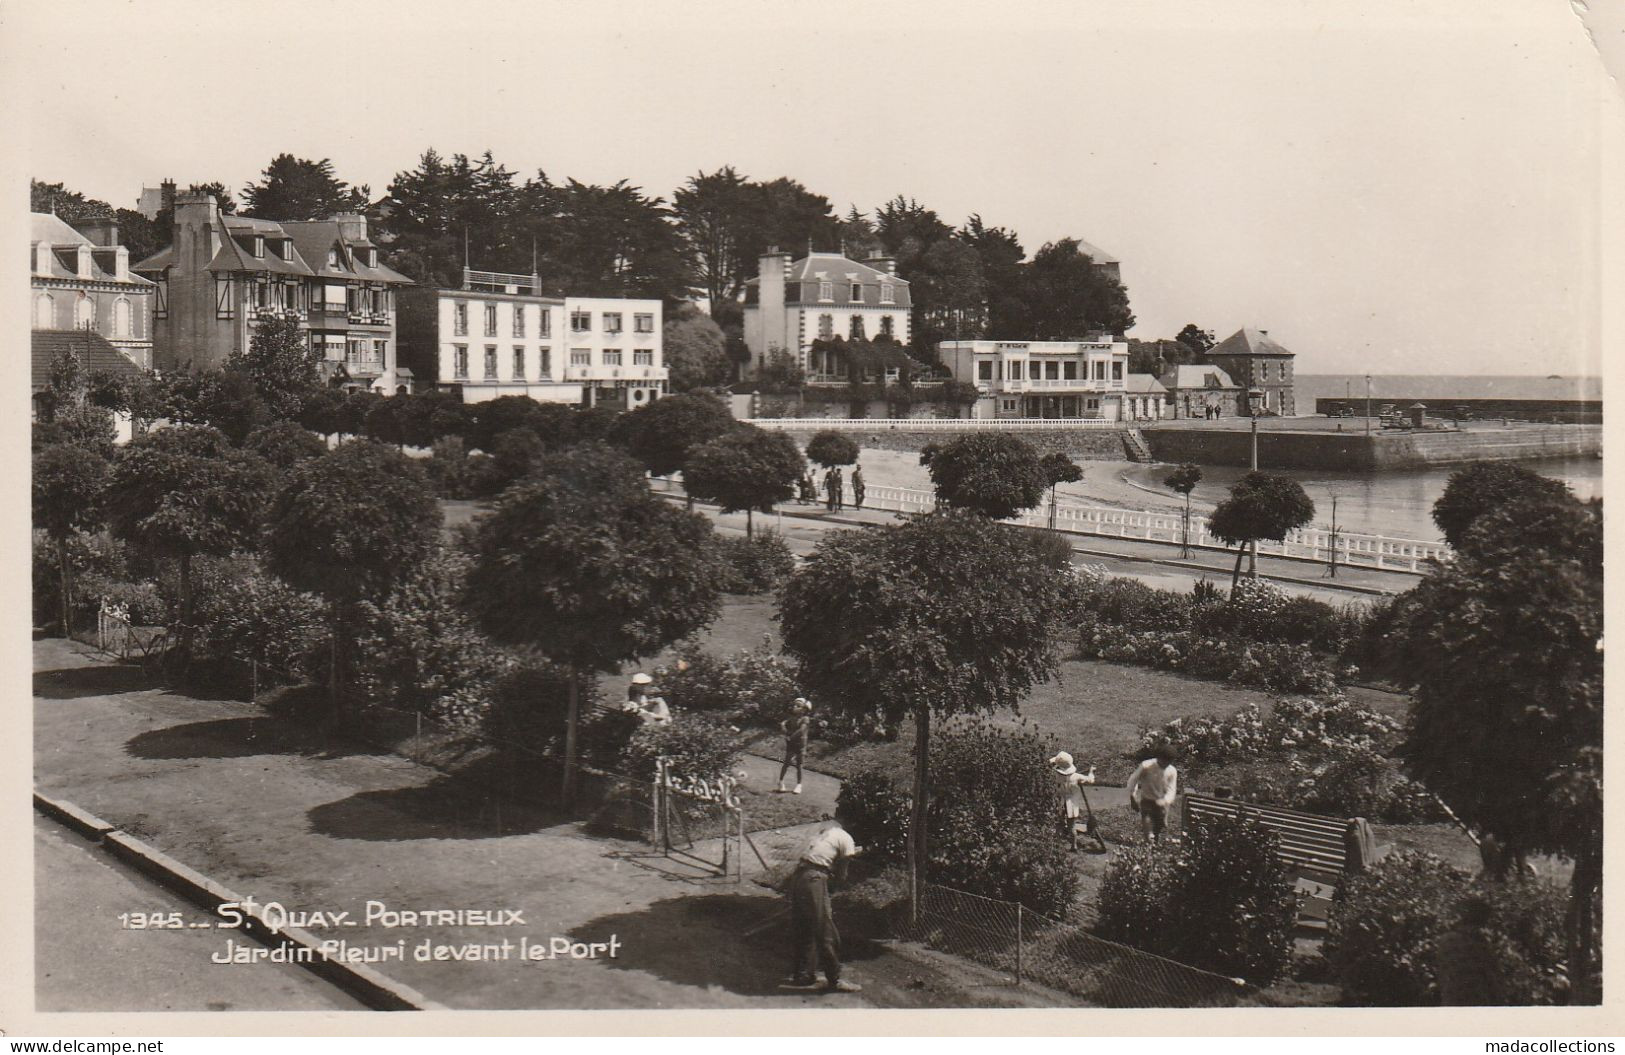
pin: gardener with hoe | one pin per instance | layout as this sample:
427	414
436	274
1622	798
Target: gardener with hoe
1152	788
1073	802
814	942
796	727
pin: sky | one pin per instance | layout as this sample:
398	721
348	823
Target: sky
1387	187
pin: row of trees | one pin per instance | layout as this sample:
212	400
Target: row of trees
970	281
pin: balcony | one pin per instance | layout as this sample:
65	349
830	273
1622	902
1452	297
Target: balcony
364	367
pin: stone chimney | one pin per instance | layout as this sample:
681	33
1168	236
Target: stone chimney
166	191
101	230
772	269
352	226
882	262
196	237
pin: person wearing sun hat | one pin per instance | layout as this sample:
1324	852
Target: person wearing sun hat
1073	804
796	728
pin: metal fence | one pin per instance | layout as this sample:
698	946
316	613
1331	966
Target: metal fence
1032	947
941	424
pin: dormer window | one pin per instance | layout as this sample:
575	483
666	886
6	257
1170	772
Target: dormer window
372	257
826	290
259	246
888	293
287	249
333	259
857	291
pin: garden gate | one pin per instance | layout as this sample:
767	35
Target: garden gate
699	820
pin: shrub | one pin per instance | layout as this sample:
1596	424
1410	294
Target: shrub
1220	899
993	817
99	561
875	812
1381	932
603	737
754	686
1276	668
756	564
1133	906
1133	606
142	602
1520	926
483	477
417	651
529	706
447	463
244	614
696	745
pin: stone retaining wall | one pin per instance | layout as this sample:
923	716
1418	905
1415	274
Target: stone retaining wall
1356	452
1098	444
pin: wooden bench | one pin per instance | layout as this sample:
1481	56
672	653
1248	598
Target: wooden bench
1317	849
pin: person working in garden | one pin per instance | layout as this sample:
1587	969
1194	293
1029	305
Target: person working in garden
644	700
796	727
1073	803
814	941
1152	788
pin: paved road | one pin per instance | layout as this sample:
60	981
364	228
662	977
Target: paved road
84	960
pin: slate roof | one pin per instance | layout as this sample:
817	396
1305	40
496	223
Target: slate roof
1143	384
311	241
1095	253
1249	342
1189	375
801	284
94	352
63	258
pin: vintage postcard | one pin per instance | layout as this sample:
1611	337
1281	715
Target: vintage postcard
1048	518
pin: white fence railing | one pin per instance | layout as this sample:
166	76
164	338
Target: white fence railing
1311	543
939	424
1354	549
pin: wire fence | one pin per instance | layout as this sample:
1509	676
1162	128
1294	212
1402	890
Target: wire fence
1033	947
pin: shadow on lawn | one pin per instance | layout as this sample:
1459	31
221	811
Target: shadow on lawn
701	941
445	808
75	683
242	738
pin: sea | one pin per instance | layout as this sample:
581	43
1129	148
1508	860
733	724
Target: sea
1400	504
1310	387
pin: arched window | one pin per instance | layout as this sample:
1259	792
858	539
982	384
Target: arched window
84	313
44	312
121	317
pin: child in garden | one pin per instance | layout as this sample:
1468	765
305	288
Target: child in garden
796	729
1073	803
1152	788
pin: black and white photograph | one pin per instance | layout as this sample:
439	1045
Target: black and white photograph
1087	513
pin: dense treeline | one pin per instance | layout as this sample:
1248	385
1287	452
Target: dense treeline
975	280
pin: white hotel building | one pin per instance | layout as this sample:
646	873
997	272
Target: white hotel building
500	336
1043	379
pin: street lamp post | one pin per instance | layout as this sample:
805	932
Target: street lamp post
1254	398
1368	404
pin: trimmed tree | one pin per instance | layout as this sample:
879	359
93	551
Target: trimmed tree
285	444
995	474
350	526
942	615
68	483
282	364
1261	505
186	492
662	434
1058	470
1183	480
747	469
1504	649
585	565
1483	487
830	448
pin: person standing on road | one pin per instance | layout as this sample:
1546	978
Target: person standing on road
1072	800
840	490
796	729
829	489
814	941
1152	788
857	487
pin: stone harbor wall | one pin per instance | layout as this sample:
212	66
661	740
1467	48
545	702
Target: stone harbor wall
1097	444
1356	452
